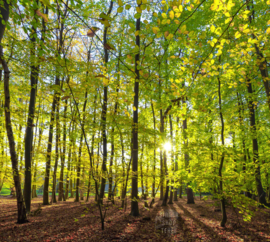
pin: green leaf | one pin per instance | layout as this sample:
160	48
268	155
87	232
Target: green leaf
105	16
46	3
137	15
120	10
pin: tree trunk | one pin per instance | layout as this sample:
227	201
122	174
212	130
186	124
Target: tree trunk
141	168
134	191
253	129
154	163
61	195
161	156
104	114
49	149
172	161
13	155
223	208
68	171
30	121
57	143
190	196
80	152
165	199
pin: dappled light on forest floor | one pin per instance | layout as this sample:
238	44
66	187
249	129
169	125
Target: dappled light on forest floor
70	221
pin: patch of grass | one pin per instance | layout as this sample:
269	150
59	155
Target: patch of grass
5	191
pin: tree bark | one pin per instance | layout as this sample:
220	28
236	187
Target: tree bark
134	191
255	146
223	207
13	155
154	163
190	196
57	144
61	195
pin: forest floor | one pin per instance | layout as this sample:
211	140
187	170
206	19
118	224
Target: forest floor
70	221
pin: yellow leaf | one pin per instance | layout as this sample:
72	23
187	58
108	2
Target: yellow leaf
155	30
144	1
237	35
171	14
176	21
212	28
183	28
170	36
164	15
164	21
134	108
105	81
227	20
137	33
180	8
219	53
268	31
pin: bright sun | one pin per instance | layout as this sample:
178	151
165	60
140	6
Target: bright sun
167	146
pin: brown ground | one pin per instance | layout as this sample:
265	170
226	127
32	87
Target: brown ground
69	221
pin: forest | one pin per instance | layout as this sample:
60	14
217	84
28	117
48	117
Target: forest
144	119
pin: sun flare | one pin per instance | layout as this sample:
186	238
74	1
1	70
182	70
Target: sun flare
167	146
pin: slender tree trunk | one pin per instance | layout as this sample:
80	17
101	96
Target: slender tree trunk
68	175
68	171
190	196
155	150
30	121
161	155
49	150
172	161
71	182
253	129
13	155
223	207
141	168
34	194
57	142
61	195
166	195
80	151
124	186
134	190
261	59
176	158
104	113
